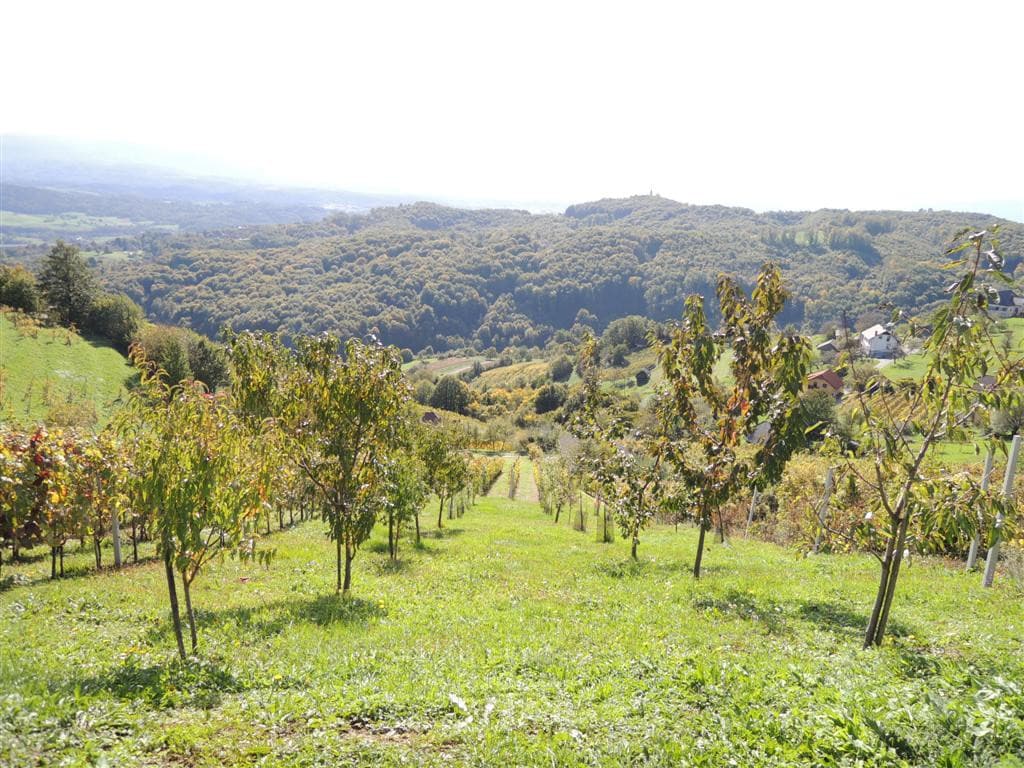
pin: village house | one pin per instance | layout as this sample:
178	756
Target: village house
1006	304
826	381
878	341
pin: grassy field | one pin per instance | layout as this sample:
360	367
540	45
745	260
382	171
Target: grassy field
46	373
914	366
445	366
511	641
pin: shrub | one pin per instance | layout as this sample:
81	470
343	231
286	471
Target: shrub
18	289
116	317
560	368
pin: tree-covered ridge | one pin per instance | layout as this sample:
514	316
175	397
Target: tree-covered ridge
426	275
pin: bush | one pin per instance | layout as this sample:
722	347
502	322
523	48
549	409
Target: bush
18	289
423	392
450	394
115	317
549	397
165	348
560	368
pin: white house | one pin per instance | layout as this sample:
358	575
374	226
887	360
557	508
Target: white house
1006	304
878	341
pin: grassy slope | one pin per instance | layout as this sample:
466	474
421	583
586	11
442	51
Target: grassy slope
83	370
510	641
914	366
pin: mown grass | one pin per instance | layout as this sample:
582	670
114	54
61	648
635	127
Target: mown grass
57	369
914	366
510	641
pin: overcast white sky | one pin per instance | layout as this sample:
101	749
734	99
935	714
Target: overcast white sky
767	105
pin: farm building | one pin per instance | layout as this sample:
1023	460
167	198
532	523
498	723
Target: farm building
878	341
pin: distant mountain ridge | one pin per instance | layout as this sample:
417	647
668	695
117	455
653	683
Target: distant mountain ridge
423	274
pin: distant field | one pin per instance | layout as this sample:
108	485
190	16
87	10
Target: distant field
445	366
914	366
64	221
45	373
506	376
39	229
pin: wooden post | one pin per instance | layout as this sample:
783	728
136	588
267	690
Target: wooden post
750	514
972	554
115	535
823	509
993	551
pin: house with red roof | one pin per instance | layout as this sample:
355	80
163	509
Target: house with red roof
826	381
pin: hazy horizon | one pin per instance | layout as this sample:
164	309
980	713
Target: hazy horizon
797	107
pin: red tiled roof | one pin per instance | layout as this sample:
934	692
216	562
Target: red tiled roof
829	376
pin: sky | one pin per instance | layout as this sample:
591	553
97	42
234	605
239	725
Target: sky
776	105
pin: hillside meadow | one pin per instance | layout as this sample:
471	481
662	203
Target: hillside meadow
507	640
50	372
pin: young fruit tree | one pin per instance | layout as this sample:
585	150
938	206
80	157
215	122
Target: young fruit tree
339	413
623	461
446	468
345	416
706	423
195	471
899	428
407	490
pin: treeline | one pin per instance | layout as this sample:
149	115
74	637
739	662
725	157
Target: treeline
65	292
425	275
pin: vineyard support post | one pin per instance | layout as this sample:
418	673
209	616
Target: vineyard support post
115	535
993	551
823	509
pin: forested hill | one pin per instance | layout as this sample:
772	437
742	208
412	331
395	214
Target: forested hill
426	275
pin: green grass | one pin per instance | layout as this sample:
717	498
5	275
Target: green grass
65	222
445	366
914	366
46	372
511	641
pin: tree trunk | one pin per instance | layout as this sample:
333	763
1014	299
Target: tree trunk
391	535
98	553
883	585
417	527
135	543
53	562
350	553
558	511
62	561
187	586
337	547
451	507
173	594
115	537
440	512
636	543
704	525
